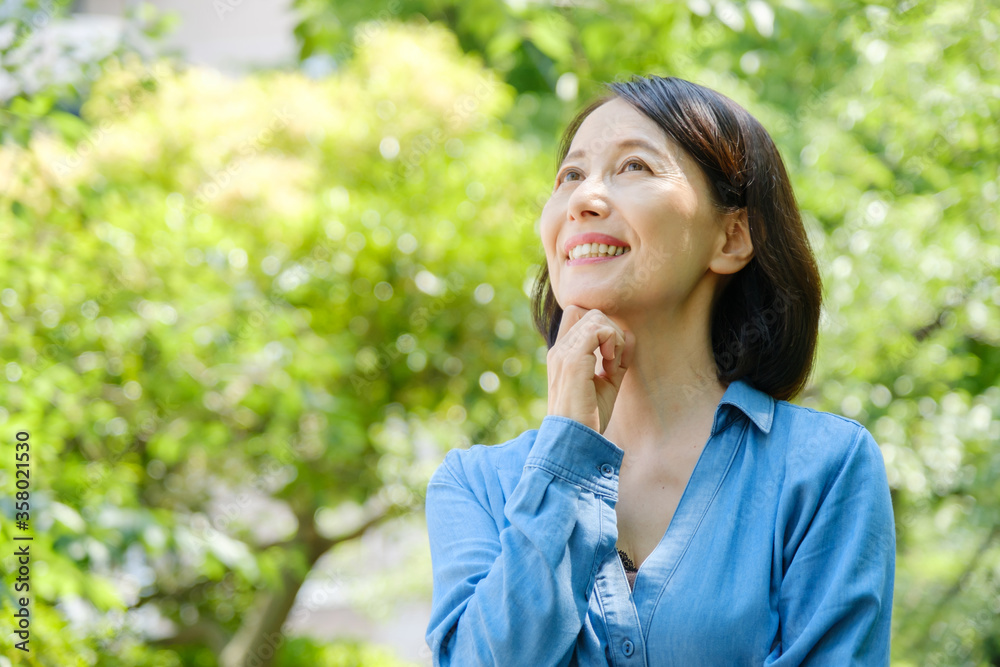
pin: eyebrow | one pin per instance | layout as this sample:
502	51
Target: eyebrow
625	143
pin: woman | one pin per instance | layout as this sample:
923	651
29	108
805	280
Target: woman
672	508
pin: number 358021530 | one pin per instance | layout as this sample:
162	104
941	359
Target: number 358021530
22	476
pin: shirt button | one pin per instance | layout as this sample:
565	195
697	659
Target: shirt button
627	648
607	470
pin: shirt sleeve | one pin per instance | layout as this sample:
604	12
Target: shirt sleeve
835	602
515	591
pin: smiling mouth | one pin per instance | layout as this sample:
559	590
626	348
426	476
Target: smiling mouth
596	251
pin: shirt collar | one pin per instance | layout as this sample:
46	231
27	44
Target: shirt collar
755	404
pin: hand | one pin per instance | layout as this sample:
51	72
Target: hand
576	391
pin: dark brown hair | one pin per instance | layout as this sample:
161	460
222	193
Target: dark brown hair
765	321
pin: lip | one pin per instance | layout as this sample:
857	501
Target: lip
592	237
592	260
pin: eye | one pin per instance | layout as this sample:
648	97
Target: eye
631	162
565	176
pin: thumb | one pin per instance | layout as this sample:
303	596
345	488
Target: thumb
570	316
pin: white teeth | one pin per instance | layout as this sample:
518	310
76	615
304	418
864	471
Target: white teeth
596	250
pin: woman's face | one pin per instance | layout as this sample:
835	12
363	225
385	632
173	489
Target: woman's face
625	180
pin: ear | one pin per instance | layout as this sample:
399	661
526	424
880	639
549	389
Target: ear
735	247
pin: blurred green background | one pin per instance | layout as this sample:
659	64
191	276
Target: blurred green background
243	316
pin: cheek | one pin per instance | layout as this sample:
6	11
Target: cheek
547	229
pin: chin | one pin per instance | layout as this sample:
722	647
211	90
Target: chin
607	304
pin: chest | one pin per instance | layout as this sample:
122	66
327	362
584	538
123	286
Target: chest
707	593
649	493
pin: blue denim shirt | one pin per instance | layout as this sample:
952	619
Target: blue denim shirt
781	551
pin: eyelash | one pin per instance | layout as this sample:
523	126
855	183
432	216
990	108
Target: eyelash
637	161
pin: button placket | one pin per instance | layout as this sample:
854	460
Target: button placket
621	621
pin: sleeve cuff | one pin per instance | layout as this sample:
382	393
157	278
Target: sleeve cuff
578	454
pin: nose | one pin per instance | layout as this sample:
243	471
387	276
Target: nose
589	199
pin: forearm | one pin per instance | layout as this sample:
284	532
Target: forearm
520	595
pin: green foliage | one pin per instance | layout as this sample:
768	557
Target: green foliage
45	75
340	654
243	319
244	283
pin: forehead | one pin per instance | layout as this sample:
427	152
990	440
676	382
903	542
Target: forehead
614	122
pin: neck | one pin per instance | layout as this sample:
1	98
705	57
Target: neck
670	392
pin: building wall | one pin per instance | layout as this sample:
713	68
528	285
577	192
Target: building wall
230	35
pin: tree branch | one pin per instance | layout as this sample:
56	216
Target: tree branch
183	593
260	635
374	513
957	587
205	631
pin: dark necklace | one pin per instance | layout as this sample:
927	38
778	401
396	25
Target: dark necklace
627	562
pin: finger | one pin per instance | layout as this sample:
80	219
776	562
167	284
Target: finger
592	330
614	370
610	351
611	346
583	327
628	351
612	361
571	315
607	368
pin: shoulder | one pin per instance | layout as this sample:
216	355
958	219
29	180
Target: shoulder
834	482
801	421
480	465
822	444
